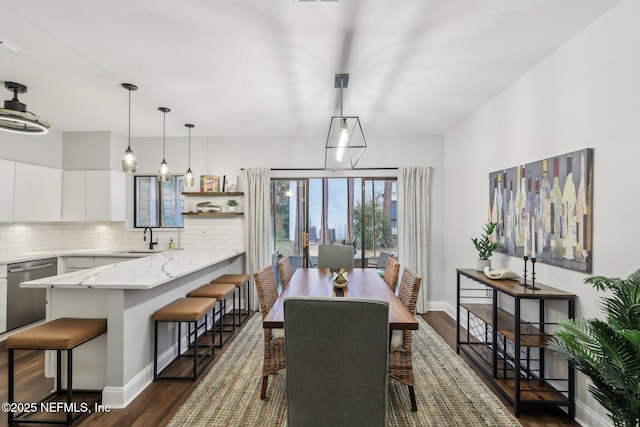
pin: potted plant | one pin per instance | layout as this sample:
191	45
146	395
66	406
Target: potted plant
485	246
231	204
608	351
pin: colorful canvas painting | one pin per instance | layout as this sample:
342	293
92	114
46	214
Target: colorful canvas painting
544	210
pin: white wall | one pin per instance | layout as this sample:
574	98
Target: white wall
586	94
43	150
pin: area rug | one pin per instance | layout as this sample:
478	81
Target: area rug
448	392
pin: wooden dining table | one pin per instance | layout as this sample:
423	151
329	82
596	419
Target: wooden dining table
363	283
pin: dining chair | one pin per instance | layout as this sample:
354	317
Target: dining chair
335	257
337	358
284	270
400	354
381	262
274	359
391	272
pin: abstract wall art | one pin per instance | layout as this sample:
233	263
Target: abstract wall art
544	210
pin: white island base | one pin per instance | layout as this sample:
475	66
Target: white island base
127	294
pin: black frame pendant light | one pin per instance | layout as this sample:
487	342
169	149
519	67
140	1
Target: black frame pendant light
189	179
15	118
163	172
345	141
129	162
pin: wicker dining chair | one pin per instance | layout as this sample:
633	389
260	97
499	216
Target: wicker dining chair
274	358
284	270
400	355
391	273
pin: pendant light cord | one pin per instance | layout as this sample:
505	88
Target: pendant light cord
164	132
129	144
341	114
189	147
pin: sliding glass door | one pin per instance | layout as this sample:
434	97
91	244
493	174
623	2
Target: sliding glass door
310	212
290	224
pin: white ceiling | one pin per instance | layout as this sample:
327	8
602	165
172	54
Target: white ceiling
266	67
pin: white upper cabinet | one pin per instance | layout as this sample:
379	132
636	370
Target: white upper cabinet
106	196
74	186
7	187
94	195
38	193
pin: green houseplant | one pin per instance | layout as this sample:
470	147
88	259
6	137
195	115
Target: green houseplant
608	351
485	246
232	205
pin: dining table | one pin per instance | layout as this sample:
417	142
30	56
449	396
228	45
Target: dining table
363	283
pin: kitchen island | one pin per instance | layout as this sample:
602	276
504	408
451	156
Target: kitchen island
127	294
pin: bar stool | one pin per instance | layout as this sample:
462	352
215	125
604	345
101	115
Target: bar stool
238	280
219	291
190	310
62	334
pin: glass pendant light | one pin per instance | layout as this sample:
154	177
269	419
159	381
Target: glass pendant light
345	141
163	172
129	162
189	179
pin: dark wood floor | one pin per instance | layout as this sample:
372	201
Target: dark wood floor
157	404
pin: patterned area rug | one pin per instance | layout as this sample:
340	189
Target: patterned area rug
448	392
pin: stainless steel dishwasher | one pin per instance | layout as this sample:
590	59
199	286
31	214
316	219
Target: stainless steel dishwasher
27	305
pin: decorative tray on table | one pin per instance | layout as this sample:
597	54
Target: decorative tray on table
340	280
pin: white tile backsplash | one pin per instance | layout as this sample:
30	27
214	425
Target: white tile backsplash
222	233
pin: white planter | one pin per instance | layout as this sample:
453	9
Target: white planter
231	208
482	263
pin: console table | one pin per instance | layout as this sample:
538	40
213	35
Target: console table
504	329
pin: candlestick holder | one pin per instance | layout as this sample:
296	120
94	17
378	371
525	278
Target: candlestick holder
524	276
533	274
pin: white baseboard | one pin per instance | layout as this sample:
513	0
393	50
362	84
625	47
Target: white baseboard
442	306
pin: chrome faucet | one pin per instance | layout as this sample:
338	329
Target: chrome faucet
151	242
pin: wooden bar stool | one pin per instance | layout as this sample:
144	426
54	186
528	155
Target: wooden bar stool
219	291
238	280
62	334
190	310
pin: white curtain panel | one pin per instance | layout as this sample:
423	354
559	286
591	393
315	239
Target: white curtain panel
413	224
258	233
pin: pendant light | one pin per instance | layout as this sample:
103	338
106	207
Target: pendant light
163	172
189	179
345	141
15	118
129	162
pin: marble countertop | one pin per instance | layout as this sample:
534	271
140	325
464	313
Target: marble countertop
32	256
142	273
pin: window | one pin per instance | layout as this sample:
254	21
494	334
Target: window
158	204
309	212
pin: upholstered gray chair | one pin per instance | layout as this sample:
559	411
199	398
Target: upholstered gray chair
335	257
337	360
